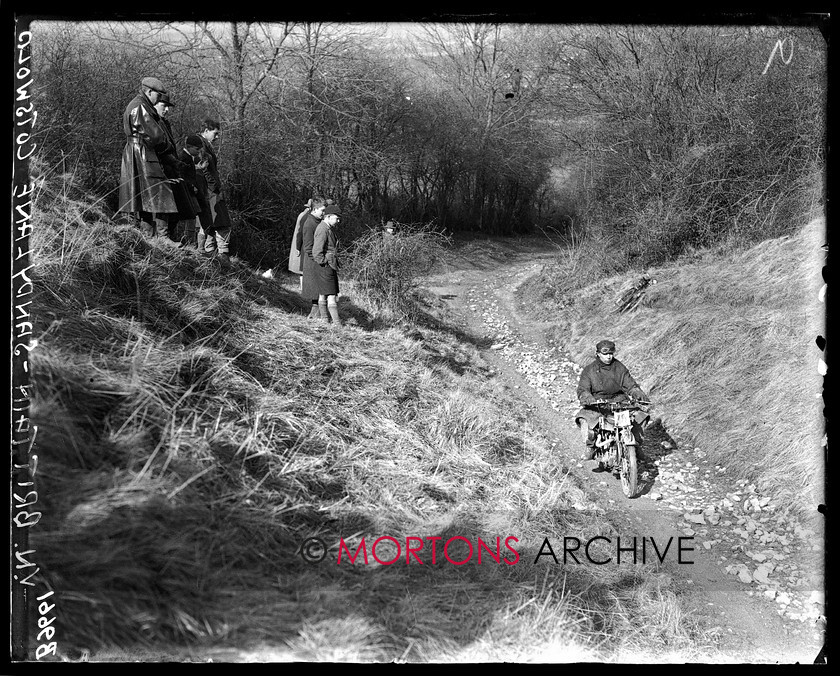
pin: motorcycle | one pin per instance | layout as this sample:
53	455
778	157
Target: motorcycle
615	443
631	298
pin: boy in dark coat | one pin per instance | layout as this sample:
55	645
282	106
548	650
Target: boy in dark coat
174	168
195	161
605	378
325	253
217	239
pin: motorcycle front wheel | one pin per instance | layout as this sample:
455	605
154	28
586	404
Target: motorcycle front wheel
627	469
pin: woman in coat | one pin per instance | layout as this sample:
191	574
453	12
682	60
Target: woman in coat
295	262
305	242
325	254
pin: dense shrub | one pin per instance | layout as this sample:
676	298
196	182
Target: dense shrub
386	268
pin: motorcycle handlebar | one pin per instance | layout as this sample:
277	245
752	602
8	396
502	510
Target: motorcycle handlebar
620	404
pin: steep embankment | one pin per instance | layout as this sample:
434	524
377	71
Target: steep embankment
726	345
195	429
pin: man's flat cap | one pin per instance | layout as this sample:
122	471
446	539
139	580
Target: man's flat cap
153	83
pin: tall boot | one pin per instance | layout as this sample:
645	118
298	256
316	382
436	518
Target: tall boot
162	225
188	239
201	239
146	221
333	310
588	435
314	311
172	228
323	313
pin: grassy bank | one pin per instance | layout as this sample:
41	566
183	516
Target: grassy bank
195	429
725	343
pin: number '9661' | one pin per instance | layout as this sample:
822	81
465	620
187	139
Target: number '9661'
46	631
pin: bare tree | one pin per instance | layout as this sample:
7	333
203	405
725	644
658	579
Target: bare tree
233	61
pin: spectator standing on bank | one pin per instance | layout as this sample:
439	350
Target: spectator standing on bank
175	169
217	239
295	262
325	253
195	162
305	241
145	190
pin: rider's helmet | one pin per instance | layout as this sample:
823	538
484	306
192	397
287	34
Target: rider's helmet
605	349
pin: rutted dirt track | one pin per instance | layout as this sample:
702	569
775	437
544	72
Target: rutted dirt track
755	577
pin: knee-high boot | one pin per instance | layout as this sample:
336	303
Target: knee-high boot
332	308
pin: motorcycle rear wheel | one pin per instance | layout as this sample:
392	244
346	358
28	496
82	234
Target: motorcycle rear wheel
628	470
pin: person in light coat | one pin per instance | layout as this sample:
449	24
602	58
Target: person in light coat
295	262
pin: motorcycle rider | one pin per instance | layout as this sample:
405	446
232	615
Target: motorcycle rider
608	379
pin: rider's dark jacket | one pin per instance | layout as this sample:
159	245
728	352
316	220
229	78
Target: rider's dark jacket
611	382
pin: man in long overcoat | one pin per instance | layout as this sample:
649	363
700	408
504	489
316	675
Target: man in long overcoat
144	187
305	242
